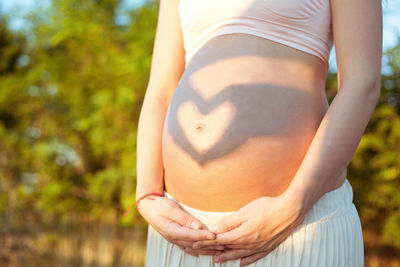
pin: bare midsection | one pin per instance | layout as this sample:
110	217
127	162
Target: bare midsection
240	122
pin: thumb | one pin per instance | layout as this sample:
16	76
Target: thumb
184	218
227	223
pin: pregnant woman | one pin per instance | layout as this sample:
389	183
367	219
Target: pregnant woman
240	158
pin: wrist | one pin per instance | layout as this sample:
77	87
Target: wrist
143	190
300	195
144	197
148	195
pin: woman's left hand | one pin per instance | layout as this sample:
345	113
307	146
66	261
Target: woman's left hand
255	229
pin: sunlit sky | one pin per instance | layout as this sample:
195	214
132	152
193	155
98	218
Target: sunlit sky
391	19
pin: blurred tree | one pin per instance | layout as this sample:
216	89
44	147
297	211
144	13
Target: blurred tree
68	116
391	82
11	49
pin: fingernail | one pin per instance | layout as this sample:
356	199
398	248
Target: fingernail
210	236
216	259
214	228
195	225
196	246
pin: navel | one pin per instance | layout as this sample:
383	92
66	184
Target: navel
200	127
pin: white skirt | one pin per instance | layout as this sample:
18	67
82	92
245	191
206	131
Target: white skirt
330	235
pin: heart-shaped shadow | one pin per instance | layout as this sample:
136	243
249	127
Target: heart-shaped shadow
247	109
251	110
190	117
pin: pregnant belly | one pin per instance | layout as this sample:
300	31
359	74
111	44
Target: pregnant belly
233	133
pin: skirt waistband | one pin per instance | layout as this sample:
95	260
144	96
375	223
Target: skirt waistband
333	203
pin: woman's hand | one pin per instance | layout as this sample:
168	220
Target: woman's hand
255	229
176	225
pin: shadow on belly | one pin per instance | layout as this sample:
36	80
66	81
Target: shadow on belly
208	129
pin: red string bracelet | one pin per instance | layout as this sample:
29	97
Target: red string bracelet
137	201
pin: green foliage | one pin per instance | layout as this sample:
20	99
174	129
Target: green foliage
376	171
68	114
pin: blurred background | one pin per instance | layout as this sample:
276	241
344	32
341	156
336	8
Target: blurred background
73	75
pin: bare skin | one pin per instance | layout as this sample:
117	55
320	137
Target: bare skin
217	88
240	121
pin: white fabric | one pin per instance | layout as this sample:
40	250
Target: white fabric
330	235
305	25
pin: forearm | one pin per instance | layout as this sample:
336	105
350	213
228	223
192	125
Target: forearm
149	165
334	143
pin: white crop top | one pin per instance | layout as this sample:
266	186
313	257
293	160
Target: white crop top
302	24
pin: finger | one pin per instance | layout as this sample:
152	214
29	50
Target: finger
252	258
206	243
189	244
182	243
256	244
217	247
189	252
176	231
200	251
233	255
184	218
228	223
248	245
231	237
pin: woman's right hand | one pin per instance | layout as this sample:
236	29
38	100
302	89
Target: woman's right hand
176	225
